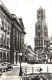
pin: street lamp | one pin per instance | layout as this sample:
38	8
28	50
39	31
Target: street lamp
20	73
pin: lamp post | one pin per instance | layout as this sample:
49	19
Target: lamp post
20	73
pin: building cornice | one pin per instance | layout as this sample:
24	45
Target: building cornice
12	17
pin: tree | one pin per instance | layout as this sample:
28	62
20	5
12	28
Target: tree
29	47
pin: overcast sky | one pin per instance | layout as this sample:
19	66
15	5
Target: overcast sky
27	9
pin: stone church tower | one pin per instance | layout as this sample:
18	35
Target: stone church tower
41	34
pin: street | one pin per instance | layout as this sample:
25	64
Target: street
15	72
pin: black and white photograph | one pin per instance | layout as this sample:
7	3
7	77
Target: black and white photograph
25	39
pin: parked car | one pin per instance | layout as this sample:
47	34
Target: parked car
31	61
9	66
36	61
6	66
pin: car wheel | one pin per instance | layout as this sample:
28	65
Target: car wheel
11	68
5	70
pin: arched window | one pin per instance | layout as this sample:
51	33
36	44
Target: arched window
38	34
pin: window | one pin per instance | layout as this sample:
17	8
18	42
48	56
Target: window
41	14
1	24
17	35
38	34
4	40
45	31
36	42
5	24
38	26
39	42
8	28
19	40
1	40
8	42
